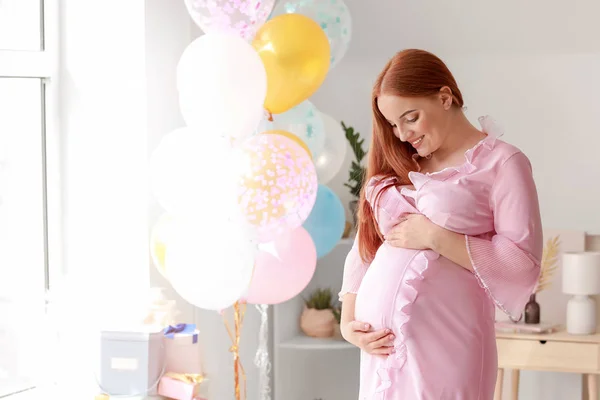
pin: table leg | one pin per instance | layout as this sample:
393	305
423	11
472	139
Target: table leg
592	384
499	382
515	384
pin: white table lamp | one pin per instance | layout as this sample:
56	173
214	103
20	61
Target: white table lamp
581	278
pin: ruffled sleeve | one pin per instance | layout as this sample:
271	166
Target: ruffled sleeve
381	193
508	265
354	271
387	203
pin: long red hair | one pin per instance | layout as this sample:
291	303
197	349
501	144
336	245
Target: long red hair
410	73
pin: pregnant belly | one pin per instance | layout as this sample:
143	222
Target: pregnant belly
401	282
376	298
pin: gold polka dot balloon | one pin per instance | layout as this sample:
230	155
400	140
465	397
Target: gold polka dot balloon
278	185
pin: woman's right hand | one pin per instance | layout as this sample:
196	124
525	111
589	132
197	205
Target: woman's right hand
379	342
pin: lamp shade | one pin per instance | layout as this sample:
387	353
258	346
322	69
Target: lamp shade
581	273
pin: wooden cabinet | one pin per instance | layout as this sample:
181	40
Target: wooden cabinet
558	352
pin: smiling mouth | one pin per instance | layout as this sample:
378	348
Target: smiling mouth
417	142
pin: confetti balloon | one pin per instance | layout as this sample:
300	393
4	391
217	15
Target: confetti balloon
332	15
242	17
290	136
304	122
278	185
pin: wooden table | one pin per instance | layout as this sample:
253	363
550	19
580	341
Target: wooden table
559	352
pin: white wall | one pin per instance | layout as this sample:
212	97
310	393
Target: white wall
532	65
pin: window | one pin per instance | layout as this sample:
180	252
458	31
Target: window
21	25
29	191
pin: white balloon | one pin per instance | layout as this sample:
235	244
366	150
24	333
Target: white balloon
330	161
190	173
222	85
209	261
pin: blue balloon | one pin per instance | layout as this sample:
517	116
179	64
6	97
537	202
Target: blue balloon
327	221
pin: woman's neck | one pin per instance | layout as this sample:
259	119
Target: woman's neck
461	136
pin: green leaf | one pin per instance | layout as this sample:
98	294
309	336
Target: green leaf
337	313
320	299
356	173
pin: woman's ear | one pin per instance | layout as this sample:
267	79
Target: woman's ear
446	97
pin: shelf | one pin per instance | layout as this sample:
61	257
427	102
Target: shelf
310	343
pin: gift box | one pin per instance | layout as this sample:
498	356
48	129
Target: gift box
181	386
182	349
131	362
157	397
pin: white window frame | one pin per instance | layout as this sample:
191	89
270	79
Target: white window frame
44	64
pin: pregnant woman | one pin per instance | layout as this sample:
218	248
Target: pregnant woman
449	227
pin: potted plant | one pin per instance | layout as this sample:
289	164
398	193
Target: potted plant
357	171
320	317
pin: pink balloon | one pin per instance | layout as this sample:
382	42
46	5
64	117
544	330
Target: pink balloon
283	268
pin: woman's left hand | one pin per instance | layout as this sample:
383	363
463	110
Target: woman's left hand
414	231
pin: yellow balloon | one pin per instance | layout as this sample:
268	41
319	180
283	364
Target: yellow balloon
158	242
296	54
291	136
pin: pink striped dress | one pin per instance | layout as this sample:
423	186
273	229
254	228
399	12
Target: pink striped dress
441	313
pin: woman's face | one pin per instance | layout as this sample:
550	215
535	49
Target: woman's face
420	121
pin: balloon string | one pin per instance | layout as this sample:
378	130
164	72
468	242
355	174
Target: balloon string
270	117
234	335
238	364
261	359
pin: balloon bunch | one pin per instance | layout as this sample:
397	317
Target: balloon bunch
243	184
